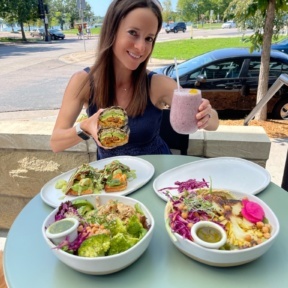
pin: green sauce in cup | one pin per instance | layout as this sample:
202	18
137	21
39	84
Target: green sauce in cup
60	226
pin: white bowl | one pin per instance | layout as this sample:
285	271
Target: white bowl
225	258
105	264
210	245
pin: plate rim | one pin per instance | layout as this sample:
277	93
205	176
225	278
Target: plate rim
149	165
236	159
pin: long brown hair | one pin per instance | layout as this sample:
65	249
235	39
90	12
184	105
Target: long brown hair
102	72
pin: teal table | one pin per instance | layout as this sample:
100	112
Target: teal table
28	262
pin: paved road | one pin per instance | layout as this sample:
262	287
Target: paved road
34	76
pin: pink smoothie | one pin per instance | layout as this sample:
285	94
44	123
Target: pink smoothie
184	107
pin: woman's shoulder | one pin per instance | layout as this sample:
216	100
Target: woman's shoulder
159	79
80	75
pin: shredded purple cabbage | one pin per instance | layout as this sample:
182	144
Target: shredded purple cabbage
66	209
188	185
177	223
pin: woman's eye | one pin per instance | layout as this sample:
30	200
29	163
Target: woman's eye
132	32
149	39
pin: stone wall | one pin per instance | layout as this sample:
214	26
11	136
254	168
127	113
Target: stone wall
27	162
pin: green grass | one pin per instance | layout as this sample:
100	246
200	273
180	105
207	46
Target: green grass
17	40
209	26
94	31
184	49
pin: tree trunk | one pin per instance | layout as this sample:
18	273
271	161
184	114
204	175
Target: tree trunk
265	58
23	32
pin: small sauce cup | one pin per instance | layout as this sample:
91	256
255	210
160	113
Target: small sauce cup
208	234
63	229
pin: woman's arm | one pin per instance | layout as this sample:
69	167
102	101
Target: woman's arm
162	88
75	97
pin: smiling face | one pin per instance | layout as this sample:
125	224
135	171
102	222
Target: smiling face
135	37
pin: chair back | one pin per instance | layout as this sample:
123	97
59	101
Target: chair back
173	139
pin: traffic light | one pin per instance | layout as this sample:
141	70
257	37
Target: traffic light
41	9
46	8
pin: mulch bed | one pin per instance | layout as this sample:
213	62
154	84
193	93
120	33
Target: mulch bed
273	128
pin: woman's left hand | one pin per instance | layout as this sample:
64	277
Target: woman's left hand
207	117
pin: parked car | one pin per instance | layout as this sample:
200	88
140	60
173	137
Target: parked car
281	46
38	32
175	27
249	24
229	78
229	24
56	34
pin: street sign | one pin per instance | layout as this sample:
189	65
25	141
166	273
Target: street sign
81	4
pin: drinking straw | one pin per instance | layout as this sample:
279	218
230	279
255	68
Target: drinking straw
177	75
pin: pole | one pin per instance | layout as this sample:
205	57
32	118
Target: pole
81	14
47	38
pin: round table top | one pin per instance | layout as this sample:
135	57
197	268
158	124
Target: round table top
28	262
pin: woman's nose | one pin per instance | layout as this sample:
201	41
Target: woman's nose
140	44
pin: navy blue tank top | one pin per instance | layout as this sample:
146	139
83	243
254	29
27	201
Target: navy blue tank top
144	136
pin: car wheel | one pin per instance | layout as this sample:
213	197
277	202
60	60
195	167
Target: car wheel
175	31
280	110
184	30
167	32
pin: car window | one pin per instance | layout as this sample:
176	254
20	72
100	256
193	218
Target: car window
198	61
221	69
276	68
254	68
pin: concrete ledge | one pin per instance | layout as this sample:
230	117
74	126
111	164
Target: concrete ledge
33	135
27	162
248	142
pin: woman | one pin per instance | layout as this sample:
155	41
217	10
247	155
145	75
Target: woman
120	77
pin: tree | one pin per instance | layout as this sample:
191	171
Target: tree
19	11
266	15
66	11
199	10
167	11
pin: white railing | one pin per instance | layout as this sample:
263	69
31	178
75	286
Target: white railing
282	79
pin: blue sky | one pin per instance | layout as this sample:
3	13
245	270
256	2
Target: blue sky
99	7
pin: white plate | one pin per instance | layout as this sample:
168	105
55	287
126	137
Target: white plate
234	174
144	171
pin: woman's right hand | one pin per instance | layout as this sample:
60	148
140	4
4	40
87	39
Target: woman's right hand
90	125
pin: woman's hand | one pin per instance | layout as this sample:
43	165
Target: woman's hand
207	117
90	125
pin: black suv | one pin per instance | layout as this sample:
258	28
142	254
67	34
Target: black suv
229	79
175	27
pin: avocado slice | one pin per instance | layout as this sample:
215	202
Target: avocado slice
114	116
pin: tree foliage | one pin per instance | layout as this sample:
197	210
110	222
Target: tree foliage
25	13
66	12
200	10
267	19
19	11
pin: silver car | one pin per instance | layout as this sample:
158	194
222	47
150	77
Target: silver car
229	24
38	32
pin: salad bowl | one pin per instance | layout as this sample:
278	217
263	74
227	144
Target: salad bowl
224	256
100	264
